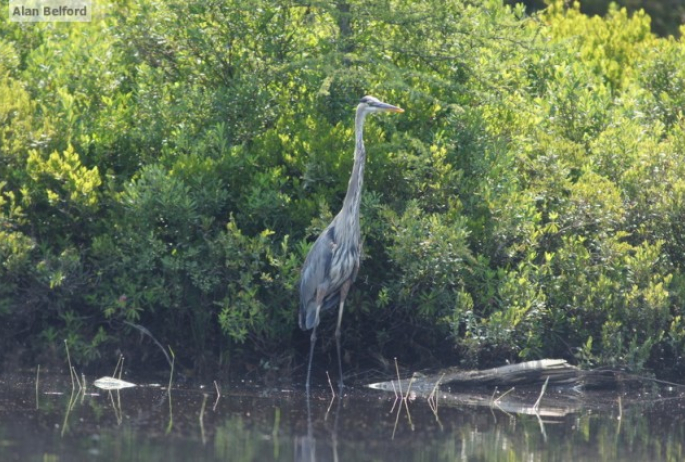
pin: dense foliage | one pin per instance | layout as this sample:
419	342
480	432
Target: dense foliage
666	15
164	168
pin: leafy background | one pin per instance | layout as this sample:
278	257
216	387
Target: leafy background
164	168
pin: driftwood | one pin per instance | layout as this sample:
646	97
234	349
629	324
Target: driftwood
548	388
555	372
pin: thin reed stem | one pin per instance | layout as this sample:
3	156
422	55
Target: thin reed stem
37	387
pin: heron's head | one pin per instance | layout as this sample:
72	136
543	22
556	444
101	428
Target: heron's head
369	104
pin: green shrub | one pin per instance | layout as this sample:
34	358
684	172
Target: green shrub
165	168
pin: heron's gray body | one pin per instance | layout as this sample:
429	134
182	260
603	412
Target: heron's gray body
334	258
333	255
332	263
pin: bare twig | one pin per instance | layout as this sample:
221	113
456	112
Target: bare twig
397	396
71	368
116	368
399	382
202	416
218	395
145	331
330	384
37	379
620	408
504	394
171	377
406	403
404	398
536	406
494	392
433	397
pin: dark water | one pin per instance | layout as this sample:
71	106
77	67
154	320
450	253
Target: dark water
252	423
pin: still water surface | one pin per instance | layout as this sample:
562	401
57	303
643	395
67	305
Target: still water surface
252	423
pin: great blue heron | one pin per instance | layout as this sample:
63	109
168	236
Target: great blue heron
332	263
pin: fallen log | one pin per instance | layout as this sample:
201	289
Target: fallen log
522	388
556	372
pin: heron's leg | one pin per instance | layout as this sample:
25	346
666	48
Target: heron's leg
312	342
320	293
343	294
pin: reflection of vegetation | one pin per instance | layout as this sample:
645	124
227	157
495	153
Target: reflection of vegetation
596	436
593	438
275	427
167	164
233	439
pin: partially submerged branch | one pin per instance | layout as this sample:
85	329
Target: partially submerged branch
556	372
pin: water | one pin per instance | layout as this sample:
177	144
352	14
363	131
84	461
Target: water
252	423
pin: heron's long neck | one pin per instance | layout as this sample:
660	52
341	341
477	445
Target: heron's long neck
354	188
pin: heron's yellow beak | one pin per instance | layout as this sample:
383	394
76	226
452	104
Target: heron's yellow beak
387	107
